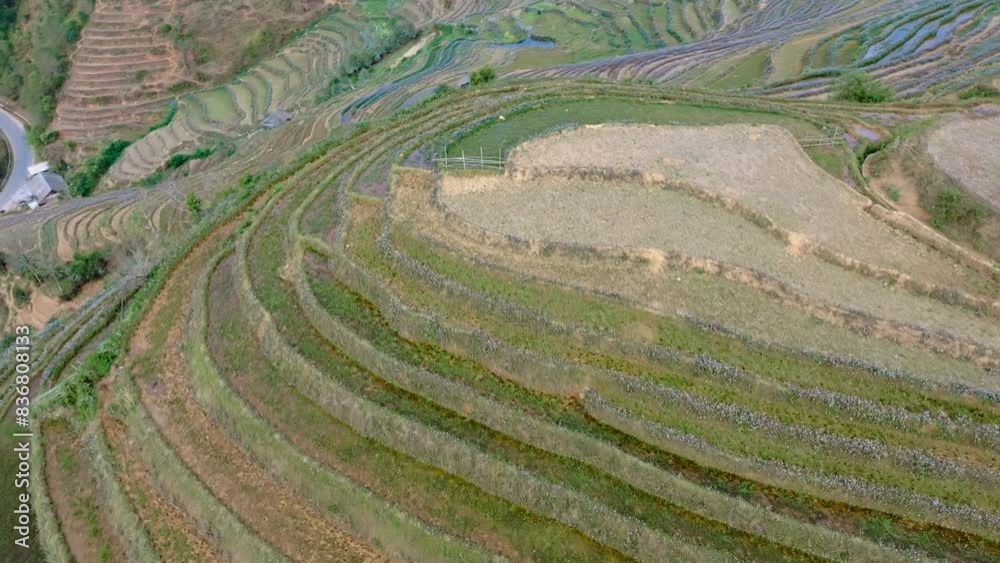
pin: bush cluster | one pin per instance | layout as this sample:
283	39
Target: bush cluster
34	56
69	277
378	42
979	91
482	76
863	88
179	159
167	118
260	44
84	180
952	207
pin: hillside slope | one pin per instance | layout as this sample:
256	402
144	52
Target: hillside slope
133	55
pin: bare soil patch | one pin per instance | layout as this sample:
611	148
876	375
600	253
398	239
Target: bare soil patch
762	168
44	307
610	214
414	49
672	288
897	186
968	150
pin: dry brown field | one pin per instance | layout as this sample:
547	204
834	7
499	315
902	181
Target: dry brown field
968	151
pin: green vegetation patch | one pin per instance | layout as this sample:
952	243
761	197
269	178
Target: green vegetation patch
36	39
744	72
494	136
529	532
87	175
979	91
177	160
863	88
4	161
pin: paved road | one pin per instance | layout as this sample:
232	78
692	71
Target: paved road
50	210
21	156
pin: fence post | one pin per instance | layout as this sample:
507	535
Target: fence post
463	159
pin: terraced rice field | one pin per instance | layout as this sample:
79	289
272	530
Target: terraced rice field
397	368
119	72
289	80
756	47
924	49
928	49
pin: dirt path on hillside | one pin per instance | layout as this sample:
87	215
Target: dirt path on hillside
908	196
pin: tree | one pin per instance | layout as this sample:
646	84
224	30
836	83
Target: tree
22	295
83	268
864	88
24	265
194	204
443	90
482	76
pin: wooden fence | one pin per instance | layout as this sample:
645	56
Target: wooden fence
480	161
819	141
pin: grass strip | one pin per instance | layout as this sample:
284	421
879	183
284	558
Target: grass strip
388	527
178	482
438	448
128	528
520	425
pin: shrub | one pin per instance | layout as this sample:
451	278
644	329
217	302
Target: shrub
194	204
356	66
71	31
151	179
83	181
483	76
866	149
260	45
202	54
179	159
27	267
863	88
180	86
952	207
979	91
22	295
882	529
167	118
83	268
80	394
894	193
38	137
